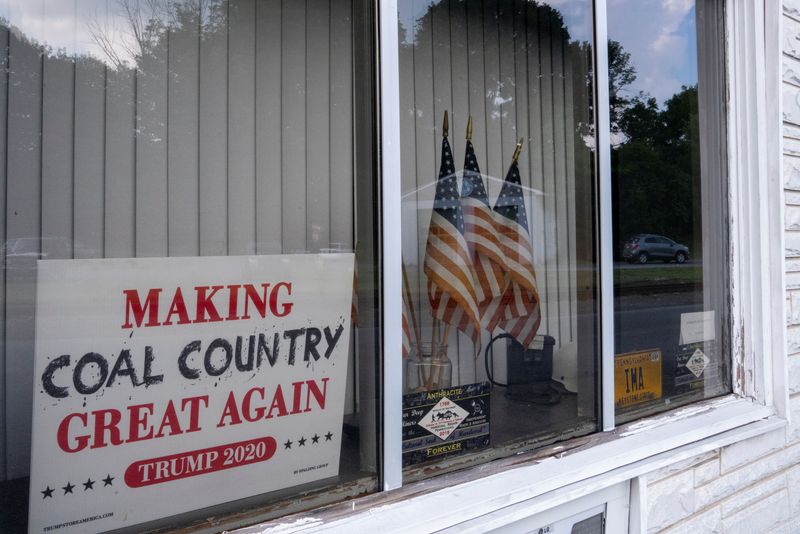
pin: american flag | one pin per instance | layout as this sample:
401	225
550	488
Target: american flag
406	328
518	313
451	287
481	234
354	300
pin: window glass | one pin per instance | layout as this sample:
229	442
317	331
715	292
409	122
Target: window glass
498	237
174	162
666	83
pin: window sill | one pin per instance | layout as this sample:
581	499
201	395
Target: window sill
534	481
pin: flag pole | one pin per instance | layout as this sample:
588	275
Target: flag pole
439	358
427	374
469	128
445	133
517	150
411	305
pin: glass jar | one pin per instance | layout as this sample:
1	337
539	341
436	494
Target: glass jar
426	371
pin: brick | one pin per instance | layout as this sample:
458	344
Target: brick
741	478
791	8
790	130
793	483
745	452
792	281
705	473
793	339
767	515
794	373
792	217
683	465
793	308
791	78
708	522
791	38
792	266
793	430
753	494
791	173
791	147
791	198
791	100
670	500
792	245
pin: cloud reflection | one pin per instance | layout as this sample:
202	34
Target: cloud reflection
661	37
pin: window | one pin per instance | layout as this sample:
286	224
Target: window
540	212
497	101
670	310
500	251
197	145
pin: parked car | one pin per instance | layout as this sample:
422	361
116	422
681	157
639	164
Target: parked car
642	248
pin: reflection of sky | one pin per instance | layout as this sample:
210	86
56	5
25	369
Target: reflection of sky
577	15
67	24
660	35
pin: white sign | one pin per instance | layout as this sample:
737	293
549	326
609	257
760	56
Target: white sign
443	418
166	385
697	327
697	363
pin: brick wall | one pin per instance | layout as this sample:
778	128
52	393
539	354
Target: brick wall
752	486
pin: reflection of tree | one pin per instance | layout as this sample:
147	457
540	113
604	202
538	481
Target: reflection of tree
146	24
620	75
655	159
548	32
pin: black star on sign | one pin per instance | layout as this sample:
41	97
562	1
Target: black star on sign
107	481
302	441
88	485
48	492
68	488
315	439
328	436
288	444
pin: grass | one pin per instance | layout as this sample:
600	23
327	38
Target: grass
658	275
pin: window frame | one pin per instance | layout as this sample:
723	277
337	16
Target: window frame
535	481
756	239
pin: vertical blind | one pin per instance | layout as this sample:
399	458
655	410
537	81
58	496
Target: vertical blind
229	130
513	67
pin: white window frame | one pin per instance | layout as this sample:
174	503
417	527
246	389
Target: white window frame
536	481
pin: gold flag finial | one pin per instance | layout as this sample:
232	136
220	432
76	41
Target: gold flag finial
517	150
469	128
445	125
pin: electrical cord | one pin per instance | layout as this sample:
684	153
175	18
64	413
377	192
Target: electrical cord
489	372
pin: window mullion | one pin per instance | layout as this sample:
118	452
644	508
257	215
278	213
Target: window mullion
389	72
603	146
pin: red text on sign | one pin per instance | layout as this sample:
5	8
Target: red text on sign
192	463
212	304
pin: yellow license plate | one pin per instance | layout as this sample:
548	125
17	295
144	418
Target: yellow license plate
637	377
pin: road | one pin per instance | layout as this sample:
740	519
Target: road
652	321
644	322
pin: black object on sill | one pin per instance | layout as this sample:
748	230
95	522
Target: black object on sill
529	371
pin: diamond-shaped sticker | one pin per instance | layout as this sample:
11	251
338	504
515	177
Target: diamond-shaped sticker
697	363
443	418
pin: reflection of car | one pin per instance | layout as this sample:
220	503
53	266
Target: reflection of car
642	248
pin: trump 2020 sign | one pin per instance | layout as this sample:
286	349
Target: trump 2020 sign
166	385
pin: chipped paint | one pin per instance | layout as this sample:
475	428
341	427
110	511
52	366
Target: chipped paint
278	528
677	415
